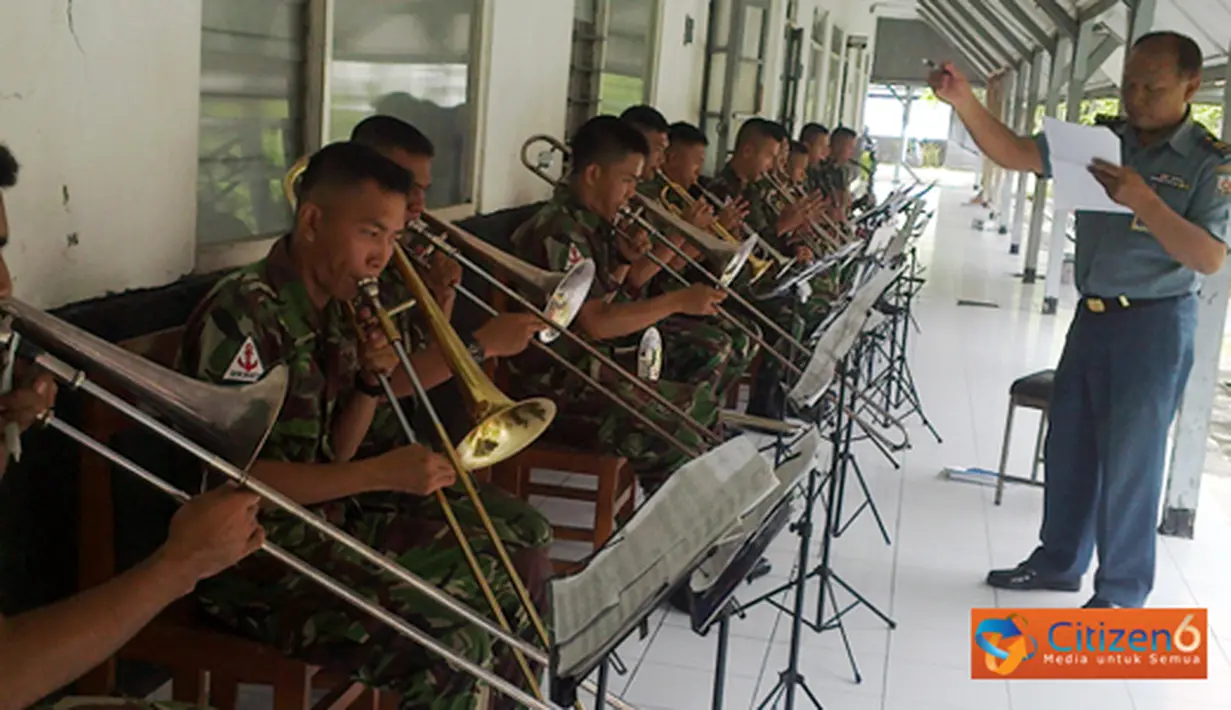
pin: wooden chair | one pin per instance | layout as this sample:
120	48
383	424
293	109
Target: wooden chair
207	663
613	495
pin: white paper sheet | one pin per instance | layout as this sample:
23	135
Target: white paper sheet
665	539
1073	147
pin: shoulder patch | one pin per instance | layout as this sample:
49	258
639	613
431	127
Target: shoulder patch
1224	184
1214	144
574	255
246	366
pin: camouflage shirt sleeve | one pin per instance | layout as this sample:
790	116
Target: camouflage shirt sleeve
554	239
234	338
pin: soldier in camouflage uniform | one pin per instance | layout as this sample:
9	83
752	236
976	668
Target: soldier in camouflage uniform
333	451
46	649
710	348
745	175
816	137
608	155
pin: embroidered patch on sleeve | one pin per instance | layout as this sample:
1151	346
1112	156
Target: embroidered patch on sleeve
574	256
247	366
1224	185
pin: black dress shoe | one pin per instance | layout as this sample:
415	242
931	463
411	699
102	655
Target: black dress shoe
1026	577
1097	602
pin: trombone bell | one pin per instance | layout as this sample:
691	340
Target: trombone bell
650	355
503	427
567	298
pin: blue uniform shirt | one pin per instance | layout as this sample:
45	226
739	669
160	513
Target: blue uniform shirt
1116	254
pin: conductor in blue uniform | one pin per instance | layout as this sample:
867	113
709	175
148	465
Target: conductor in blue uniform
1130	346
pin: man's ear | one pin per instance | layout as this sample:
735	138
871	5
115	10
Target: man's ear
591	175
308	220
1194	85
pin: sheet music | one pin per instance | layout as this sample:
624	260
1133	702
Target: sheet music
813	451
1073	147
839	338
658	547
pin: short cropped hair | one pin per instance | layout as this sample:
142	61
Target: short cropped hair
384	132
1188	59
684	133
604	140
811	131
8	167
777	131
798	148
646	118
753	129
349	164
843	132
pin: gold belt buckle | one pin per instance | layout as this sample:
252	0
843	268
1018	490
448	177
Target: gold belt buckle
1096	305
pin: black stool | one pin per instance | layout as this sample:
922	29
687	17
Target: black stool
1033	392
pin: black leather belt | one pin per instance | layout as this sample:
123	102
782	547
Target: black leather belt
1099	304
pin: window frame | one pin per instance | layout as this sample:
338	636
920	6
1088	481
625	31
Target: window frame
315	128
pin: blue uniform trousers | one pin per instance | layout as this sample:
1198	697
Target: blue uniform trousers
1116	391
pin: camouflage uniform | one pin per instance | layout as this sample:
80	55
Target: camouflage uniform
795	317
265	304
832	179
562	233
713	348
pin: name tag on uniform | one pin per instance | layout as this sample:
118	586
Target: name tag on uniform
1170	180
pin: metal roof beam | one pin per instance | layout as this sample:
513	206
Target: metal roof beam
990	57
1098	9
977	55
1040	36
997	24
959	43
980	29
1063	21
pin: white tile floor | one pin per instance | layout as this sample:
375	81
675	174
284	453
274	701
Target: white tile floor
946	534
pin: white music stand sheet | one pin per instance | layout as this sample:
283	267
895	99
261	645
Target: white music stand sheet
812	451
667	536
835	342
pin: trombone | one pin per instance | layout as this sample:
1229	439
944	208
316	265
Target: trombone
703	240
782	261
503	427
759	265
729	258
236	420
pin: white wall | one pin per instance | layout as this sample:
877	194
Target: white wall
528	47
680	68
106	112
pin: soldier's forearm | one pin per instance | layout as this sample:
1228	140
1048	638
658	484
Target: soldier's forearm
604	321
45	649
431	367
351	425
311	483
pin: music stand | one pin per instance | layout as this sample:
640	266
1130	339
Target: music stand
633	572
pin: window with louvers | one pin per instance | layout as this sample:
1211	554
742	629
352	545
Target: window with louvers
252	122
411	60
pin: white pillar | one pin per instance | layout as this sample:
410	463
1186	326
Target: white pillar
1060	212
1192	425
1012	113
1025	126
1034	242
